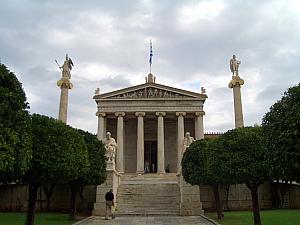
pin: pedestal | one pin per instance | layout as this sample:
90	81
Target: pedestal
190	203
112	182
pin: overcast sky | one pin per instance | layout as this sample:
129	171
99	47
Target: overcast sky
193	42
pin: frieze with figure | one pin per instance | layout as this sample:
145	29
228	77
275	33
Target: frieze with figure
150	92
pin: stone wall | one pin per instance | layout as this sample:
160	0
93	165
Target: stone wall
14	198
294	197
171	144
130	137
239	197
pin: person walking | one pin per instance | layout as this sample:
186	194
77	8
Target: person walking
109	197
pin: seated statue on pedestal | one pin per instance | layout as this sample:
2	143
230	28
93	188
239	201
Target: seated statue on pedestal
110	146
187	141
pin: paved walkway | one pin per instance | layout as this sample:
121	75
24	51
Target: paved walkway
149	220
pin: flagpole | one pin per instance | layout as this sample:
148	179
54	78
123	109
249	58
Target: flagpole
151	54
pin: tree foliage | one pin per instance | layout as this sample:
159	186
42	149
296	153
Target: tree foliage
248	161
281	126
59	155
96	172
15	135
205	162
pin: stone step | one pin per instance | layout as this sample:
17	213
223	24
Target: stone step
148	213
148	194
149	178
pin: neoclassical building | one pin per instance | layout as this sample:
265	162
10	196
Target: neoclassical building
149	122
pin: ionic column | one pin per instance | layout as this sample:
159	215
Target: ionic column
120	142
140	143
64	84
101	126
236	84
160	142
180	137
199	128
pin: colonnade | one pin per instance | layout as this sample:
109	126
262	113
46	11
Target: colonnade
199	134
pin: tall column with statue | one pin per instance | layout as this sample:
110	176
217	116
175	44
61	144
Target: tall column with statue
65	84
236	83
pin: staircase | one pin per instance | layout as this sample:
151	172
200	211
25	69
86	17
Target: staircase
148	194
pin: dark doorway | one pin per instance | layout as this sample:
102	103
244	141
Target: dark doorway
151	155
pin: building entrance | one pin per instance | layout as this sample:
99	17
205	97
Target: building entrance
150	156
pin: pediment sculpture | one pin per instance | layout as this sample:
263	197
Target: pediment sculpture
150	92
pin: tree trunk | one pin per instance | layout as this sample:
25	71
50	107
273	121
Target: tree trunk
83	201
255	203
74	190
32	192
48	189
225	198
218	201
275	194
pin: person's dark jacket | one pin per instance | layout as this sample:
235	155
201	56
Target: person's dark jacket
109	196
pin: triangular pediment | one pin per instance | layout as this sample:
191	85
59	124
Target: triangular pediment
149	91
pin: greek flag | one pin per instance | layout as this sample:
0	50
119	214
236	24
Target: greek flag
151	53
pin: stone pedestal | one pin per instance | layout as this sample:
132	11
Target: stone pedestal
190	204
112	182
64	84
236	84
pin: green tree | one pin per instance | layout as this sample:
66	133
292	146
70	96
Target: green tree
59	154
281	127
15	136
248	162
96	173
204	162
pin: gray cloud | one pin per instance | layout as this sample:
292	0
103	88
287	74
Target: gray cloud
193	41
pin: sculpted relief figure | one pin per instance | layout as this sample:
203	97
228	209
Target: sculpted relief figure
187	141
234	65
110	146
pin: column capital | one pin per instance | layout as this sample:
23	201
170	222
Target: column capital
200	113
160	114
140	114
180	113
236	81
120	114
102	114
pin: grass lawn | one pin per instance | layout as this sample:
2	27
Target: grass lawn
268	217
7	218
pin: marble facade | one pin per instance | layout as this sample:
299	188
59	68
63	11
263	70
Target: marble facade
150	113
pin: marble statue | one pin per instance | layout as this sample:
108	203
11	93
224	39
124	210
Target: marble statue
97	91
187	141
203	91
234	65
110	146
67	67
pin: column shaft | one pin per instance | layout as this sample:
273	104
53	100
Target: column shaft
120	142
63	105
199	128
180	137
101	126
160	142
140	143
238	109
